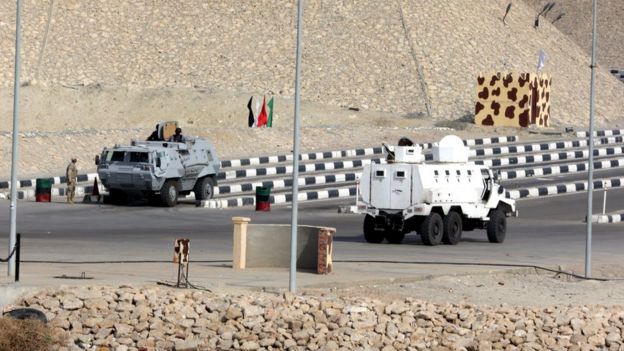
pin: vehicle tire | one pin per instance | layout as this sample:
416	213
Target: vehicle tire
432	229
370	234
204	188
169	193
118	197
452	228
497	226
395	236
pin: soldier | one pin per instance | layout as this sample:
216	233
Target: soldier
177	137
72	177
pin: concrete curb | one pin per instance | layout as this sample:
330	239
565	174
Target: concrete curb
567	188
601	133
615	218
279	199
519	160
30	183
287	183
573	168
324	155
312	167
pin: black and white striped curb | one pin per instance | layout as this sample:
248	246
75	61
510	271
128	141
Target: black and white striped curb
570	168
29	183
287	183
350	153
615	218
519	149
570	155
303	157
29	194
567	188
280	199
601	133
313	167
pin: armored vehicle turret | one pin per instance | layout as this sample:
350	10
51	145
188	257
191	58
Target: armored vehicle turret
159	170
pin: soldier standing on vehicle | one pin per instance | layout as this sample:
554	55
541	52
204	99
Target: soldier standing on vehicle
72	177
177	137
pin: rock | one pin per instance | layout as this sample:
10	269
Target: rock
250	345
122	330
186	345
72	303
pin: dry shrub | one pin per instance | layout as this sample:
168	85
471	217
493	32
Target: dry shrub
28	334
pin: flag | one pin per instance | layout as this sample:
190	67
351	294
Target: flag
251	119
270	121
542	58
262	117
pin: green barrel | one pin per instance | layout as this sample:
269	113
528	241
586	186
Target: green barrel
263	195
43	190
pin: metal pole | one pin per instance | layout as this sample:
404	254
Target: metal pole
16	86
295	187
18	248
604	198
590	177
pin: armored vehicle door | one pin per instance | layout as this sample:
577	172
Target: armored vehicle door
401	188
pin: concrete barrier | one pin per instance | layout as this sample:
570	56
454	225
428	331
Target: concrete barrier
268	246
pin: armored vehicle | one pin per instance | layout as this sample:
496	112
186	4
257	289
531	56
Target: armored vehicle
438	199
159	170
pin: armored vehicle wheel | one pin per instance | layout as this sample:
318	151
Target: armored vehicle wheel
370	234
431	229
118	197
169	193
452	228
204	188
394	236
497	226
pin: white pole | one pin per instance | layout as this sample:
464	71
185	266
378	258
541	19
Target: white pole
13	208
604	198
357	193
295	187
590	180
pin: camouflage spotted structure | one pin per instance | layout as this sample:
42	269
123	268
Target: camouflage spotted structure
513	99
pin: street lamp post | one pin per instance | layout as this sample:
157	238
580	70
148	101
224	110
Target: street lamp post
590	177
16	87
292	282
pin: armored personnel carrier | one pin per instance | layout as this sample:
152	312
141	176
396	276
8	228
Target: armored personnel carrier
438	199
159	170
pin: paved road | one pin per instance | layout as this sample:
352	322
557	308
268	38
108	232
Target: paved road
549	232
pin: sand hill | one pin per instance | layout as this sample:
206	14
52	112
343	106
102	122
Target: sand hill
121	66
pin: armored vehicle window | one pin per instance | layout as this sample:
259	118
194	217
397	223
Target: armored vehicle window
469	172
141	157
447	172
458	172
380	173
400	174
117	156
435	172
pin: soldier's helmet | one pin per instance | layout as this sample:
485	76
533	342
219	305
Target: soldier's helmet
178	130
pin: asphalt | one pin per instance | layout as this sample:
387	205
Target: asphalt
134	245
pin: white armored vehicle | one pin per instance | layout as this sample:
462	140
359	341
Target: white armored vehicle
437	199
159	170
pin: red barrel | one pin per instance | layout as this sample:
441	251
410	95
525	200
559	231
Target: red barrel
263	196
43	190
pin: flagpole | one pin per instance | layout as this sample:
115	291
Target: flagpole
292	284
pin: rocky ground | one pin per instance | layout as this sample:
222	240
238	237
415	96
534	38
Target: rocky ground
155	317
